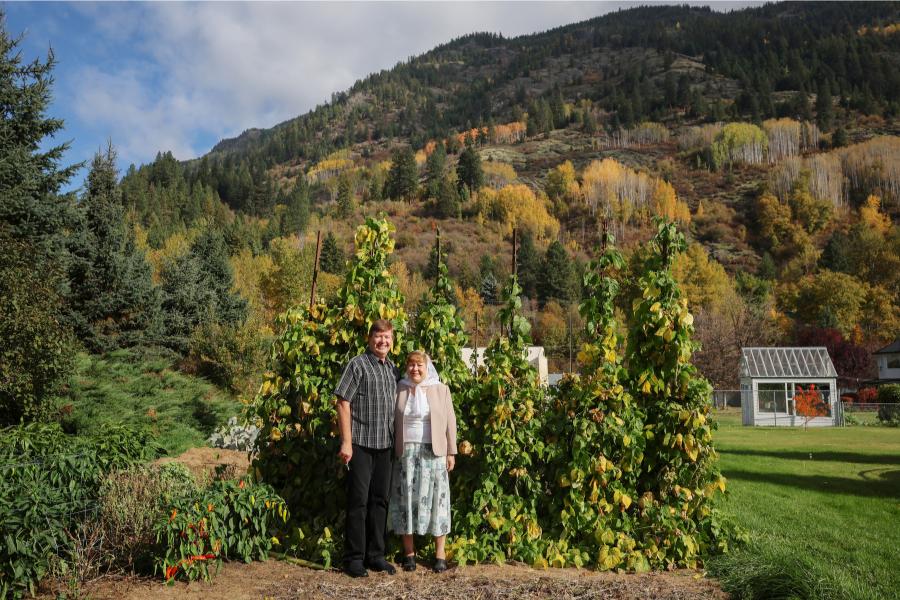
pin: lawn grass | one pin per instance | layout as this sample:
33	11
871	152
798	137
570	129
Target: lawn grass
142	388
822	508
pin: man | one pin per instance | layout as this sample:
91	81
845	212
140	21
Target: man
366	395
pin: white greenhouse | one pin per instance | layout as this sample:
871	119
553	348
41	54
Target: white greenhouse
771	376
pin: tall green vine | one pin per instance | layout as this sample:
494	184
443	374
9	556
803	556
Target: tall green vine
499	489
596	470
680	473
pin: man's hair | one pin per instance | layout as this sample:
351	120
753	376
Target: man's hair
380	325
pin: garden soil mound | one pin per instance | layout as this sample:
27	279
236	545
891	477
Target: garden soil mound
278	580
204	461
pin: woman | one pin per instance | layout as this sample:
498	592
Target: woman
425	442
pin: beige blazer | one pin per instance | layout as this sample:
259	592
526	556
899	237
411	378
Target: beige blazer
443	419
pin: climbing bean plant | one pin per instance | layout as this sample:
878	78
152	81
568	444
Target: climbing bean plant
614	470
296	450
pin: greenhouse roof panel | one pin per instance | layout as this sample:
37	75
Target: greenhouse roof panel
787	362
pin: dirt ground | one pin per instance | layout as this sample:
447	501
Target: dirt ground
203	461
277	580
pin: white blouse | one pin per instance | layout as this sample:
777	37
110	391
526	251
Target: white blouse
417	418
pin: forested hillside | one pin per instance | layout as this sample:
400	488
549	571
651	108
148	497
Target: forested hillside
769	135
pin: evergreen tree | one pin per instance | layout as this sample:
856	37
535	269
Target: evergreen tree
767	268
332	258
262	197
345	196
30	175
186	301
468	170
488	283
528	265
212	253
489	289
824	109
37	346
296	211
113	302
376	188
840	138
557	280
447	201
557	109
804	111
435	169
196	290
404	175
590	123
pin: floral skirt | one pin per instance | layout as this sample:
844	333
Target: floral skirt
420	498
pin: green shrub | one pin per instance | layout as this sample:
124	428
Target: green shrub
37	349
49	484
889	404
227	520
231	355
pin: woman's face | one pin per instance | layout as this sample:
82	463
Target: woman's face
416	371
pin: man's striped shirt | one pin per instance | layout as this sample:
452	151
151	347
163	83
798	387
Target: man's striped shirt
369	384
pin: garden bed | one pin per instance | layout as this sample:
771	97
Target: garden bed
279	580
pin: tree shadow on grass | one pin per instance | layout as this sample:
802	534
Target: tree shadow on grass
876	483
203	414
844	457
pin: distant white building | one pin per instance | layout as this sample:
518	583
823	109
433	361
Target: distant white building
771	376
888	359
534	354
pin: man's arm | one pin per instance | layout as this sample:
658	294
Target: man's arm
343	411
345	393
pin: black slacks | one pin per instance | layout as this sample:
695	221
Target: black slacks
368	490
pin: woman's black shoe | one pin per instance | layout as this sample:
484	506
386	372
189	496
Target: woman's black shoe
440	565
409	563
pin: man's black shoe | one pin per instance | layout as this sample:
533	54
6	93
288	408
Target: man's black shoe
409	563
440	565
355	569
379	564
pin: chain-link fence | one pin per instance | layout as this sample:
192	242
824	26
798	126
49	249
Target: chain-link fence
868	413
783	407
722	399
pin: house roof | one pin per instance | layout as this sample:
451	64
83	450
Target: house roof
893	348
787	362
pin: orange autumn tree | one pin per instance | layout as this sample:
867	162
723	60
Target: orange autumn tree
809	404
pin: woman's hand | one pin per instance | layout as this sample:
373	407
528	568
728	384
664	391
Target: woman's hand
451	462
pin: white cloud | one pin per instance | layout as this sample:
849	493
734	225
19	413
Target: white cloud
194	72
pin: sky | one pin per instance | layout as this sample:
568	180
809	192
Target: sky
181	76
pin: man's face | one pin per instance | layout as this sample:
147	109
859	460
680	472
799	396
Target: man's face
380	343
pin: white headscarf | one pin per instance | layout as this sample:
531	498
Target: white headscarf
417	403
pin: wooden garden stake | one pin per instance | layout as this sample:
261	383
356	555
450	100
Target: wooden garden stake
315	277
